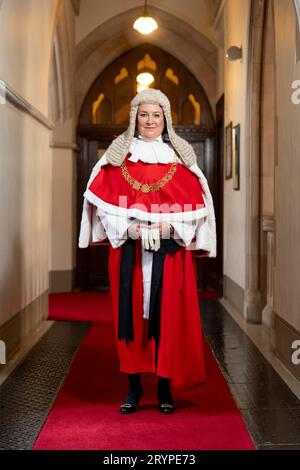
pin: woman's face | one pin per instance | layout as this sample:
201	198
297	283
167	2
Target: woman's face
150	120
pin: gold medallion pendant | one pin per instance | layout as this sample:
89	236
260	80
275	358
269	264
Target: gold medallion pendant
145	188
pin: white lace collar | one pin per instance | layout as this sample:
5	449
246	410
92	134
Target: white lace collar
150	151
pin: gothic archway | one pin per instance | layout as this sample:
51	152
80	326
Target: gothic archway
108	100
116	36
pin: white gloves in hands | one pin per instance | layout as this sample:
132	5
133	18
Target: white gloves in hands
150	237
154	238
150	234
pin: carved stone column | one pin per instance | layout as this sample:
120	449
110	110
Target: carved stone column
253	299
268	229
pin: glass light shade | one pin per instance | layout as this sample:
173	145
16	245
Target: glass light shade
140	87
145	78
145	24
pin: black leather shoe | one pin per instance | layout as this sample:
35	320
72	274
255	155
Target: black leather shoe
131	402
166	408
164	396
127	408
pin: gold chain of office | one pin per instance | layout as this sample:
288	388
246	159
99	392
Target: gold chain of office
146	188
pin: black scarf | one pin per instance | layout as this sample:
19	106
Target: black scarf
125	320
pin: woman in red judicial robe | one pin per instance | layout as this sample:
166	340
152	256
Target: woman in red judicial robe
150	198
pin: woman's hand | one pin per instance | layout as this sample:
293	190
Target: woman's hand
134	230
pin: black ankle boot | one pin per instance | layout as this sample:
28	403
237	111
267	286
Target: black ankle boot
164	396
134	394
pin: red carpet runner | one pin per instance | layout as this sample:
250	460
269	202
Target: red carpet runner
86	414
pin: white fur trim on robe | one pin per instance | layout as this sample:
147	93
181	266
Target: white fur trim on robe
204	229
91	228
115	227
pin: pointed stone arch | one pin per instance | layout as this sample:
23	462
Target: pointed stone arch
184	90
116	36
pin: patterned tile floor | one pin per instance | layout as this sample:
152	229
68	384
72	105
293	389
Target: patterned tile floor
28	393
270	410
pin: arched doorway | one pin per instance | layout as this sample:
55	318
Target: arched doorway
104	115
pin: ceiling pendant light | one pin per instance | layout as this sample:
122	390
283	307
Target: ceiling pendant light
145	24
145	78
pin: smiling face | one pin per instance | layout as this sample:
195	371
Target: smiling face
150	120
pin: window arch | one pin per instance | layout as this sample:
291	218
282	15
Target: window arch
108	100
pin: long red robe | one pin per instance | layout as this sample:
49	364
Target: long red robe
180	350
